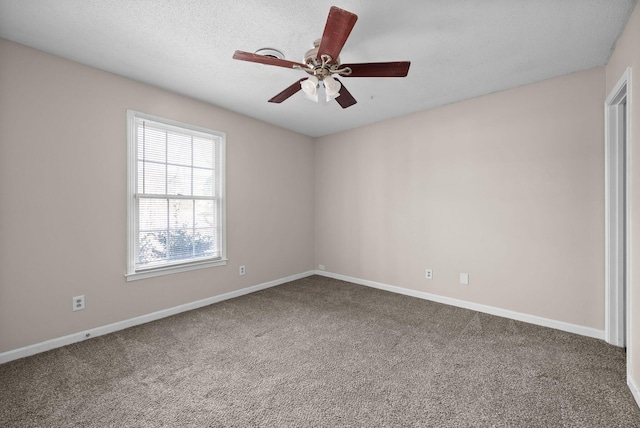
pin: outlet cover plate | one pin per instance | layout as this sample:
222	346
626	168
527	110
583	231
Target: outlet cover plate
78	303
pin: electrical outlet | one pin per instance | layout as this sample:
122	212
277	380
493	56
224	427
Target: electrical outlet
464	278
429	274
320	267
78	303
243	270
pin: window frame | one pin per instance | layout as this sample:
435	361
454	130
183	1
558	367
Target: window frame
132	189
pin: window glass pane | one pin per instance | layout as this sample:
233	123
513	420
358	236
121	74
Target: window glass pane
180	244
151	248
179	180
203	153
179	149
140	177
153	214
205	214
202	182
154	178
205	243
180	214
152	144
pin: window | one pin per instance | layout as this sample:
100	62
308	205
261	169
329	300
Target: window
175	196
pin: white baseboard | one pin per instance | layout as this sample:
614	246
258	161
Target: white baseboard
531	319
634	389
121	325
110	328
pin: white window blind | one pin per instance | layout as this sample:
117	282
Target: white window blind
176	199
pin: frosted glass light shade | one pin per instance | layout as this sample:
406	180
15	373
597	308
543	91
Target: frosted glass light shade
310	86
332	86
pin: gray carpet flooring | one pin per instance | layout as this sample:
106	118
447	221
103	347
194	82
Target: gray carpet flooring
318	352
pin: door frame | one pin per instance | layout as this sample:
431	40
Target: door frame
617	212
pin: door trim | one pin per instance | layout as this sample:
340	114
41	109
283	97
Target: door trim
617	212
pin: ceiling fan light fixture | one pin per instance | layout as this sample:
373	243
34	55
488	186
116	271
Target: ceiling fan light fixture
310	87
313	98
332	87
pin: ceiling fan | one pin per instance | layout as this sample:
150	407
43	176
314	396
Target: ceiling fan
323	61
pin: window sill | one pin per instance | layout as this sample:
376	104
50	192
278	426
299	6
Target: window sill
175	269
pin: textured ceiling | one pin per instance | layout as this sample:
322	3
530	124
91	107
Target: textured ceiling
458	49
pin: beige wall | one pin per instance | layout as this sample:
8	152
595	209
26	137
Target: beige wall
627	54
63	209
507	187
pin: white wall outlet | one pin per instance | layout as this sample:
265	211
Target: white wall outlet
78	303
243	270
429	274
464	278
320	267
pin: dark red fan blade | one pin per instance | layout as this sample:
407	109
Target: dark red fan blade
287	92
262	59
345	99
336	31
378	69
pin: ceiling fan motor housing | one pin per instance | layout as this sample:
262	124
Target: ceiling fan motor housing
324	67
